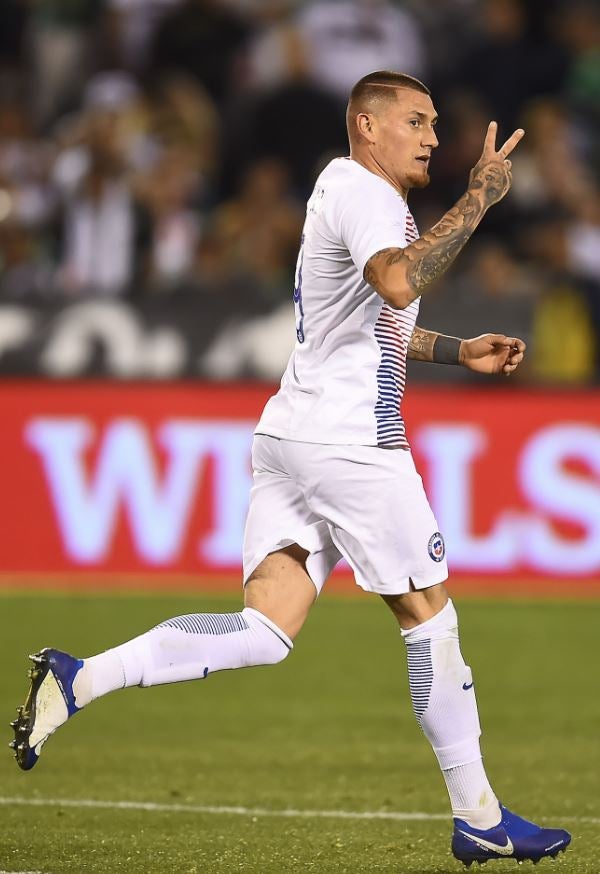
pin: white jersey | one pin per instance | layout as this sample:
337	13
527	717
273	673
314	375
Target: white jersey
345	378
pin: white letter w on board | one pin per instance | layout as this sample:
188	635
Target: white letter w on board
87	503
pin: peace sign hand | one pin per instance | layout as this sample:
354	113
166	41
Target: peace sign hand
491	176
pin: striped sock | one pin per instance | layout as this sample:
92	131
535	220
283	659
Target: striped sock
184	648
443	697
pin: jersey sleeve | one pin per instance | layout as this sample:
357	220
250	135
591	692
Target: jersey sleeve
372	217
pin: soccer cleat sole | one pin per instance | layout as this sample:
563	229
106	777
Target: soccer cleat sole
519	861
23	724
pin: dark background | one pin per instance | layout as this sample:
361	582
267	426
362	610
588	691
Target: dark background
155	156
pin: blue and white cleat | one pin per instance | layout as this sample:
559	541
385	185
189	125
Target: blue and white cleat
512	838
49	703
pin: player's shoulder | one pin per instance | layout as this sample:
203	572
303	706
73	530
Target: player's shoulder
347	180
348	171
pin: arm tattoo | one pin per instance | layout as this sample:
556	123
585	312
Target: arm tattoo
429	257
431	346
421	343
392	256
494	178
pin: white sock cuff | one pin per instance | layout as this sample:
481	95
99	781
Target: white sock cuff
438	626
250	612
462	753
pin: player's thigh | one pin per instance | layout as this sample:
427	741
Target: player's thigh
288	550
281	589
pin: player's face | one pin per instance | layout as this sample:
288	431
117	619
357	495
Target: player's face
406	138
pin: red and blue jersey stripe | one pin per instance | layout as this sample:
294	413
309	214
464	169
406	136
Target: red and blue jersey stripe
393	330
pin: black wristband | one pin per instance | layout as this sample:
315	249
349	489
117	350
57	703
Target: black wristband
446	349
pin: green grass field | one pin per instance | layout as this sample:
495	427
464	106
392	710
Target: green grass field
330	729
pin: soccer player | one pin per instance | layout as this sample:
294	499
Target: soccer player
333	473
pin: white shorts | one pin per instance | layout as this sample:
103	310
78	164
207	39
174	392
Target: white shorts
363	503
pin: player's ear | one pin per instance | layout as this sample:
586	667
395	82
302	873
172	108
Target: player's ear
365	124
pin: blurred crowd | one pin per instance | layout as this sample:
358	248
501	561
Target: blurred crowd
159	148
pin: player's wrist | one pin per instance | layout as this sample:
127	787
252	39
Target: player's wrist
477	191
447	350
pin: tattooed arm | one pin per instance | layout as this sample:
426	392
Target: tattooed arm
402	275
432	346
488	353
421	343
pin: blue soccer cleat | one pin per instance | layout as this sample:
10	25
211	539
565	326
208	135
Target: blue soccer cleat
512	838
49	703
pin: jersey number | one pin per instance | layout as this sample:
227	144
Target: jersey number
298	305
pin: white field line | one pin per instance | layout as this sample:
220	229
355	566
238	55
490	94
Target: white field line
154	807
290	813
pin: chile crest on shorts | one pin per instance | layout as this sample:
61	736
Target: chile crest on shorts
436	547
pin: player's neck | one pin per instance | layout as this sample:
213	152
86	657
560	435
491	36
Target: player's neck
369	163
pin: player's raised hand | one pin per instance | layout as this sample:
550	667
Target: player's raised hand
492	353
491	176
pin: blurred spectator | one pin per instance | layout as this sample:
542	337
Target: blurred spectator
13	20
263	10
283	124
257	232
184	115
60	34
280	122
583	254
579	28
105	232
490	291
583	237
131	25
25	161
463	120
510	61
165	192
202	39
274	48
346	39
26	269
564	346
548	167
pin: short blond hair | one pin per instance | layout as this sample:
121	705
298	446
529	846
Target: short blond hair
377	89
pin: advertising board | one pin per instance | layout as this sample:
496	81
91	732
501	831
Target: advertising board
104	480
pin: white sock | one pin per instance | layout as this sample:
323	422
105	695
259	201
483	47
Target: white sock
443	697
184	648
463	783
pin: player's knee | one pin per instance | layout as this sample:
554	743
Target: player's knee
416	607
270	645
274	652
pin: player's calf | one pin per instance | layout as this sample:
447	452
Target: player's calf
192	647
183	648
